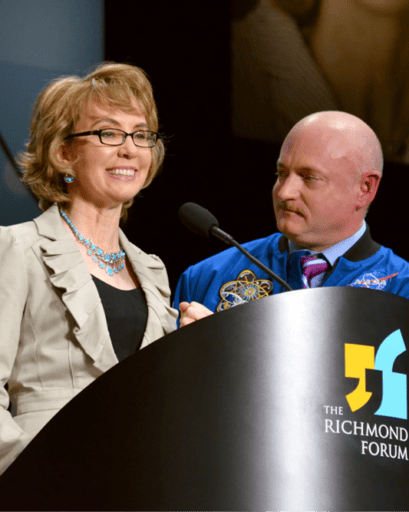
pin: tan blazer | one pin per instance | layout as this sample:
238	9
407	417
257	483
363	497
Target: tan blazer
54	339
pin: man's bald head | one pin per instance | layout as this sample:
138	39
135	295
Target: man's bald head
328	174
346	136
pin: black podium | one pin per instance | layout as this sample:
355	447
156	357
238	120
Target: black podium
249	409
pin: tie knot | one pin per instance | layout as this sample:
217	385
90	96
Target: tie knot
313	266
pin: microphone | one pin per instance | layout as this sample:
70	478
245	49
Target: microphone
201	222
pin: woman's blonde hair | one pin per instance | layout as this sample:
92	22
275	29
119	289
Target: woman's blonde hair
56	112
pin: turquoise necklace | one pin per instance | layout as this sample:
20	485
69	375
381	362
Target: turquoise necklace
112	262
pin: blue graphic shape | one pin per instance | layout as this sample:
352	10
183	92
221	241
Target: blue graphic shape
394	399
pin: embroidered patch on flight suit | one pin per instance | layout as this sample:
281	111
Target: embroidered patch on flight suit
245	288
375	280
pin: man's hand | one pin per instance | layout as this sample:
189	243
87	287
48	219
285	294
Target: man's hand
190	312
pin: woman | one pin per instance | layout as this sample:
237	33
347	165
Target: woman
93	146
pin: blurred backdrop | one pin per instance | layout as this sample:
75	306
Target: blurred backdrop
230	78
39	40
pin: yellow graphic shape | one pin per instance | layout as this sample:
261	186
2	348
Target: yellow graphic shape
358	358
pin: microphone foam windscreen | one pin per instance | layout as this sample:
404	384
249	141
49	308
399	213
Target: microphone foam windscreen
197	219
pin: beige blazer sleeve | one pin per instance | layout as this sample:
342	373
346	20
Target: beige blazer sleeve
54	338
13	294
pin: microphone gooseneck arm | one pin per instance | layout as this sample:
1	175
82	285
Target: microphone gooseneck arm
228	239
201	222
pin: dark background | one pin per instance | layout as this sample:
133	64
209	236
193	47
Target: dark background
184	47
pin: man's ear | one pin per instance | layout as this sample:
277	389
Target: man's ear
368	187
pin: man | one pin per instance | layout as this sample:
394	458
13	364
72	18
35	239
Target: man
328	173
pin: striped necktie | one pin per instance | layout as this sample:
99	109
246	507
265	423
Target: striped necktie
313	266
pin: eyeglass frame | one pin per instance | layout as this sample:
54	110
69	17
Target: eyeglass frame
99	132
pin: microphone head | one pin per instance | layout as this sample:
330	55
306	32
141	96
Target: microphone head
197	219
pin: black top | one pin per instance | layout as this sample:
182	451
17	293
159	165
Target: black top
126	313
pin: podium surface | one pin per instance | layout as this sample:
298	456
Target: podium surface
249	409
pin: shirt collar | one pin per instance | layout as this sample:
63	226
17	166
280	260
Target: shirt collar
334	252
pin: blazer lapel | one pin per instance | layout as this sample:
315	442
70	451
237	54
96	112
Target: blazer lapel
152	276
68	273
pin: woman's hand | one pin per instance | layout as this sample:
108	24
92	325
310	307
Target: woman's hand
190	312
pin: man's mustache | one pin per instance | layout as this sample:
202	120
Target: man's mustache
284	205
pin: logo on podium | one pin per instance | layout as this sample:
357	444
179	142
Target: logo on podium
360	358
385	438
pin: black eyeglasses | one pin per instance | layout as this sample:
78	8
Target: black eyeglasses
115	137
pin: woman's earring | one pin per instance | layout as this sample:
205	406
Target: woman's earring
68	178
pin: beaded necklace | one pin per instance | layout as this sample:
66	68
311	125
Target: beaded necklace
112	262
